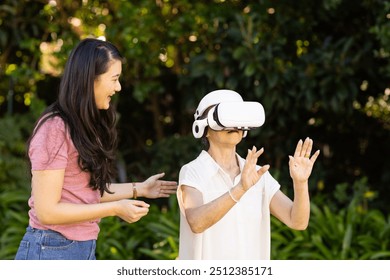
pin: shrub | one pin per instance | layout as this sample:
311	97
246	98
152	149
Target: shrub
353	232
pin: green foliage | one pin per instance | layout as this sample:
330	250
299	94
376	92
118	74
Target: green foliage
14	220
23	27
173	152
352	232
164	227
14	184
153	237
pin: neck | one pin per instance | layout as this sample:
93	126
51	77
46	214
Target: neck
226	159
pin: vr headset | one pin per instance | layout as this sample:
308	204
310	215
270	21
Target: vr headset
242	115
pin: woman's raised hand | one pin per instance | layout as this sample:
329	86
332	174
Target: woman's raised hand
301	164
250	176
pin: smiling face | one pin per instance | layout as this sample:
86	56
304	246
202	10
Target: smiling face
107	84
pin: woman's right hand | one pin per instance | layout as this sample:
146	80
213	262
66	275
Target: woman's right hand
250	176
131	211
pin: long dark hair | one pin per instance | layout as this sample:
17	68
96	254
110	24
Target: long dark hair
93	131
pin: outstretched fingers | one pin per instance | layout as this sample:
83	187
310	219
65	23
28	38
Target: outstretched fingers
157	176
256	154
315	156
250	175
166	191
304	148
253	157
263	169
298	149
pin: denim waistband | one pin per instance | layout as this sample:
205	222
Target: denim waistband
37	230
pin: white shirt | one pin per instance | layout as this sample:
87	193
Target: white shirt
244	232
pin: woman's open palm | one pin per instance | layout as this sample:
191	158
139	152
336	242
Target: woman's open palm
301	164
250	176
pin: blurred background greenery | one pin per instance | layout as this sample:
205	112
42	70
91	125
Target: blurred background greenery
320	68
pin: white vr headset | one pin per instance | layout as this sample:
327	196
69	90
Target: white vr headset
240	115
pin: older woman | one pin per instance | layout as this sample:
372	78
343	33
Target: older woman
226	201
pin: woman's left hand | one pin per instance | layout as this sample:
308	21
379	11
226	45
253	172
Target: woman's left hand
155	188
301	164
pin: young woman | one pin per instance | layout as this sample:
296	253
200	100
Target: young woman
226	201
72	155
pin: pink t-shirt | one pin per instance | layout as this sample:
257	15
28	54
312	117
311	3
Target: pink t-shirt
52	148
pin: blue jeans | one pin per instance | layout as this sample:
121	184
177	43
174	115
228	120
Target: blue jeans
40	244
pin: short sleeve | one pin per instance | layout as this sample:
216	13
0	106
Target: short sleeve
187	177
49	147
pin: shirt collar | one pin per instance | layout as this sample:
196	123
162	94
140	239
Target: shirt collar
213	166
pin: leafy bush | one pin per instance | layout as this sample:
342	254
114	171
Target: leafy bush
155	236
354	232
14	184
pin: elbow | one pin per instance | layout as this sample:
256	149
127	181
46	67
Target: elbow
194	223
44	217
300	221
44	220
300	226
195	227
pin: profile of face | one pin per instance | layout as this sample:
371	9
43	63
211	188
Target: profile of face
107	84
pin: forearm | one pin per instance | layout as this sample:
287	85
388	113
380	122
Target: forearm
122	191
300	211
68	213
203	217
